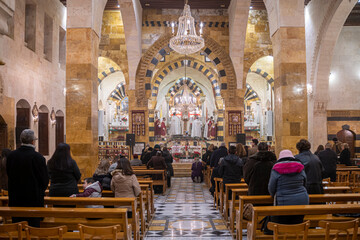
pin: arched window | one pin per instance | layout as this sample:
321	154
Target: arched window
22	119
43	134
59	131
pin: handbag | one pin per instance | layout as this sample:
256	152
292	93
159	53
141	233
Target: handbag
247	213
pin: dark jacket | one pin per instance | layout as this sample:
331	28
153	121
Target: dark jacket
257	171
157	162
196	170
314	171
231	169
217	154
146	157
169	160
328	159
206	157
345	157
28	177
64	182
287	182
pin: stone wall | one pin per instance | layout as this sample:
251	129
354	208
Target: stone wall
26	73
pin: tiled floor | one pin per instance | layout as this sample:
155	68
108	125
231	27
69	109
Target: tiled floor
186	212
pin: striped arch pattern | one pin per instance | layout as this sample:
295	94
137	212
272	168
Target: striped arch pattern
265	75
196	90
250	94
192	63
119	93
106	73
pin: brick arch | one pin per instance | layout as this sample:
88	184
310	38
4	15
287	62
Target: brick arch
252	58
191	63
195	89
263	74
214	51
106	66
119	92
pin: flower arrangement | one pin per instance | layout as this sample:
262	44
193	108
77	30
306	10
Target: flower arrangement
177	155
196	154
124	119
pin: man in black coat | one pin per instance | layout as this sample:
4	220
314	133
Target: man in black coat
217	154
28	176
329	159
231	168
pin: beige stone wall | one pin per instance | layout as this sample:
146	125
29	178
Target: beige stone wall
26	73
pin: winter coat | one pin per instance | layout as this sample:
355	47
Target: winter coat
136	162
217	154
64	182
345	157
124	185
206	157
169	160
257	171
287	183
147	157
93	190
314	171
28	177
328	159
231	169
253	150
157	162
196	170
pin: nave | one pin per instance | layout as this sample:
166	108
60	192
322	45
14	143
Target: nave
186	211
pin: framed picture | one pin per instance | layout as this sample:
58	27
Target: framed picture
232	144
138	147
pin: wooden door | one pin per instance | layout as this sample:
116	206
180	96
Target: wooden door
22	122
59	138
347	136
43	133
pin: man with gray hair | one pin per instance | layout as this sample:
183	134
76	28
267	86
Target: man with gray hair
28	176
329	159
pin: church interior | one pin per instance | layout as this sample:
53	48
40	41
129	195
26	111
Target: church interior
112	78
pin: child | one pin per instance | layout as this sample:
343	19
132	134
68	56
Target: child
91	189
196	171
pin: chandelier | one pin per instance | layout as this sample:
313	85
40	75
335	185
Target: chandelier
186	40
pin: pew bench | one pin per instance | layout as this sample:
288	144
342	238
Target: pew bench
159	182
241	223
72	216
259	213
230	187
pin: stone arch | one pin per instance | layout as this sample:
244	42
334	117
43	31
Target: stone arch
264	74
214	51
192	63
119	93
195	89
22	103
250	94
106	66
59	113
43	109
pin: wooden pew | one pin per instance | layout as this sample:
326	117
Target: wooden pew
81	202
261	212
228	187
74	216
161	182
151	191
268	200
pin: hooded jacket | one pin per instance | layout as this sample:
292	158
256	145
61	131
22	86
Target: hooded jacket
93	190
287	182
257	171
231	169
124	185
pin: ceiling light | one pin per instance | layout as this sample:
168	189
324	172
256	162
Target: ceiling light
251	7
147	4
118	5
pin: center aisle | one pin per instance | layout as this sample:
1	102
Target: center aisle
186	211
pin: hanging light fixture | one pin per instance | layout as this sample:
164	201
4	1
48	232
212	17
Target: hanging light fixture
186	40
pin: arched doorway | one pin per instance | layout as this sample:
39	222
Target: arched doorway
3	133
43	133
59	128
22	119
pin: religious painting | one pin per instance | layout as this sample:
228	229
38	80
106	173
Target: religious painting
234	123
138	123
138	147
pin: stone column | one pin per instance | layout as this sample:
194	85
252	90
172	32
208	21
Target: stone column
291	122
82	43
202	101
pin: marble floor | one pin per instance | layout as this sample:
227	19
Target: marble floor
186	211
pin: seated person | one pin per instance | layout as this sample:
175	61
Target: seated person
92	188
136	161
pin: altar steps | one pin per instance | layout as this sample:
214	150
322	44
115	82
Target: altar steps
182	169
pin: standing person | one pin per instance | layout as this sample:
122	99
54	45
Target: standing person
157	162
254	147
328	159
64	173
163	128
287	186
313	167
209	124
345	155
28	177
175	128
196	128
213	130
206	157
101	173
147	156
206	129
257	170
231	168
124	182
3	176
217	154
319	149
196	171
240	151
168	160
337	146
